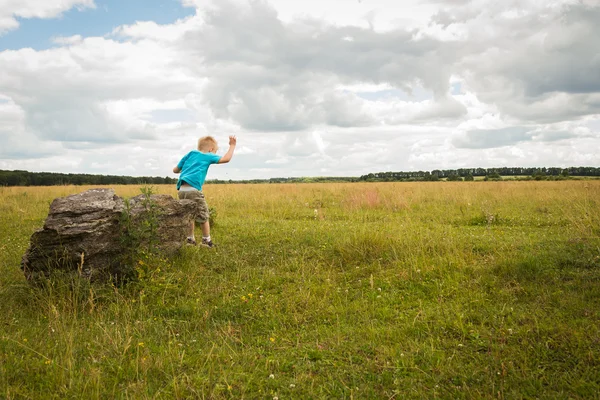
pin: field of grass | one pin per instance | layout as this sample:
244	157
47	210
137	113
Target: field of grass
362	290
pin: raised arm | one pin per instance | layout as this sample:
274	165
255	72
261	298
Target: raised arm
176	170
227	157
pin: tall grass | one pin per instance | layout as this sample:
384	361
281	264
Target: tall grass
387	290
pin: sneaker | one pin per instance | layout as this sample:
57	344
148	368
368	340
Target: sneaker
191	241
207	243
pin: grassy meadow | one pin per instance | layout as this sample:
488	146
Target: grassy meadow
451	290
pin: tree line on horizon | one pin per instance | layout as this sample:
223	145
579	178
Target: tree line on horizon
26	178
537	173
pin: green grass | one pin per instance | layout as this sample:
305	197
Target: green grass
390	290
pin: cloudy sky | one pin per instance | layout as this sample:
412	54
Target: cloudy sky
310	88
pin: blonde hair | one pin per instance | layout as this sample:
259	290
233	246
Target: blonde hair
205	142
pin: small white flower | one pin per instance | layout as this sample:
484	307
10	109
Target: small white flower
271	376
292	385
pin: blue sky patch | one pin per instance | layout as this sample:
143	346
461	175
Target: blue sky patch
456	88
108	14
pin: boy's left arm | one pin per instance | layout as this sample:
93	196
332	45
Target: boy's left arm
177	168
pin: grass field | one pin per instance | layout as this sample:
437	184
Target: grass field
337	291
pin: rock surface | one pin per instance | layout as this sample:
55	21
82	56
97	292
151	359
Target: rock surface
91	233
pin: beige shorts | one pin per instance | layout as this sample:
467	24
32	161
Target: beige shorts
197	196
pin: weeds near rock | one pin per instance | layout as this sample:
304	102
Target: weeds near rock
140	237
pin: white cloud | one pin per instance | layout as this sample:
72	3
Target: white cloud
67	40
10	10
150	30
17	141
328	86
268	74
535	63
78	92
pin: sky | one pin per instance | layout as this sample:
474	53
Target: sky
309	88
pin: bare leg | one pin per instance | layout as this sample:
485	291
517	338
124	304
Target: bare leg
192	226
205	229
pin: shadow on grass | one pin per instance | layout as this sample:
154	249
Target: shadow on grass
555	293
552	265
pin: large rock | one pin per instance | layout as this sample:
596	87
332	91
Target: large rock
94	233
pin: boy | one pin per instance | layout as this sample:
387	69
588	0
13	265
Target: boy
193	167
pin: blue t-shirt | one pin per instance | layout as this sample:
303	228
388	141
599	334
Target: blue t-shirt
194	166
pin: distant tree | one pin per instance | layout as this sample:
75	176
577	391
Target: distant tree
494	176
428	177
539	175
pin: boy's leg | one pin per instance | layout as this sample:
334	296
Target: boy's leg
191	239
205	225
192	229
206	241
205	229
